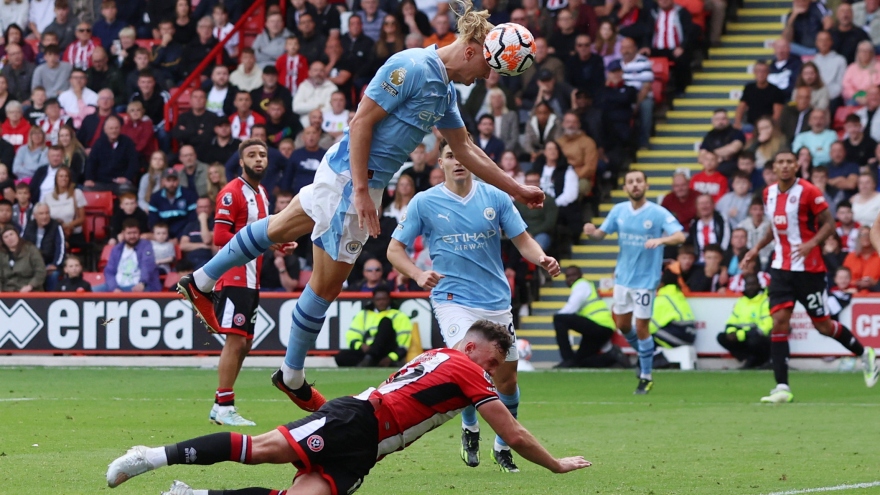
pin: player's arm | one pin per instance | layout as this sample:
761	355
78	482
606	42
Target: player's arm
671	240
826	228
594	232
402	263
474	159
523	442
753	253
368	115
532	251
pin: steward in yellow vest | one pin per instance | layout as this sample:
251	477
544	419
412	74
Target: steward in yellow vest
672	322
379	335
747	334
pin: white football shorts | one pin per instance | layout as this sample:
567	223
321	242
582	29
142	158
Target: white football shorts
640	302
329	201
455	320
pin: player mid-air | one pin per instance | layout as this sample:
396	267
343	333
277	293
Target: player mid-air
410	95
462	221
336	447
800	222
642	227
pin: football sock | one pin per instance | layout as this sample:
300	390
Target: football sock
243	491
469	419
633	338
512	404
779	352
247	245
306	322
224	397
646	356
210	449
846	339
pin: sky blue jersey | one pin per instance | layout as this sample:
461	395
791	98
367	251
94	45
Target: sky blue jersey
463	236
414	88
637	266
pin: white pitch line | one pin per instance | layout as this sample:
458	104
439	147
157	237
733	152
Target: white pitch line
16	399
836	488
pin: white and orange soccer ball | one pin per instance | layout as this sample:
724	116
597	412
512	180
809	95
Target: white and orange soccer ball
509	48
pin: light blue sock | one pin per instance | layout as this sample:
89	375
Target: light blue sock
308	318
512	404
247	244
633	338
646	356
469	417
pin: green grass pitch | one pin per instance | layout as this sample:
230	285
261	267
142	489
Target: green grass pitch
696	433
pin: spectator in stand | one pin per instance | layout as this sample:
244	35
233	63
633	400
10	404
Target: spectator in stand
194	175
221	94
48	237
710	275
40	15
509	164
616	101
74	153
859	146
831	65
674	34
682	201
767	141
506	121
304	162
270	90
103	75
842	174
22	268
141	63
585	70
281	123
132	264
709	228
436	176
6	218
23	209
339	69
196	243
78	101
562	39
79	52
166	55
43	181
794	120
403	194
846	36
638	73
864	264
819	178
247	76
580	151
222	147
19	73
64	25
124	52
295	11
269	45
312	41
418	169
128	208
832	254
784	68
759	98
113	161
746	335
93	124
486	140
544	60
35	111
108	27
865	17
31	156
244	119
222	27
139	128
153	99
735	253
358	48
199	46
184	25
840	291
559	181
73	280
868	115
293	67
804	22
607	44
546	88
195	127
282	274
67	206
734	206
336	117
860	75
443	35
725	141
391	41
372	18
709	181
541	224
216	180
172	205
542	127
414	21
818	139
810	78
313	93
15	129
744	269
866	203
846	228
163	249
327	18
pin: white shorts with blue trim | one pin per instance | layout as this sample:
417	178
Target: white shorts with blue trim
455	320
329	201
627	300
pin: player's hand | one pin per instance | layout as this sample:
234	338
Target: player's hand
368	217
804	249
653	243
531	196
567	464
589	229
429	279
550	264
286	248
749	256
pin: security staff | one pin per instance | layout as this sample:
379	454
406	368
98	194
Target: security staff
747	336
586	313
673	323
377	336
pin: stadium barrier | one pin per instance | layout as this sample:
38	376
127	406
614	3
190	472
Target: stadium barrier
164	324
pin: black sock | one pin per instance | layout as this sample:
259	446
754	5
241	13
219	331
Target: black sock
211	449
779	352
247	491
847	339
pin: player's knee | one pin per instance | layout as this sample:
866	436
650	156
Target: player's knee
824	326
238	344
310	484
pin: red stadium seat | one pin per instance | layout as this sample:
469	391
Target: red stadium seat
660	65
171	281
148	44
94	278
105	257
99	203
658	88
841	114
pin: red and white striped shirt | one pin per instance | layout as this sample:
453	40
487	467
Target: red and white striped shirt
80	56
668	32
51	129
849	240
292	71
242	129
737	282
794	217
238	205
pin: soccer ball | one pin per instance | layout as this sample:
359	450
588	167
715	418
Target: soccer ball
524	349
510	49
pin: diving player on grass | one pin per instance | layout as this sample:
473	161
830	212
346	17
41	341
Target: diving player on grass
642	227
463	221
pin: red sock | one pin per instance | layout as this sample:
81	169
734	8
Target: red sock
224	397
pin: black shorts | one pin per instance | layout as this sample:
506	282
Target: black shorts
339	442
809	289
236	310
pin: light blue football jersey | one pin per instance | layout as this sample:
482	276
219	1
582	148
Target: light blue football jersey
414	88
637	266
463	236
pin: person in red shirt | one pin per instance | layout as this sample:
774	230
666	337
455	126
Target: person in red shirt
293	68
15	128
709	181
683	201
139	128
800	222
864	262
244	119
337	446
79	53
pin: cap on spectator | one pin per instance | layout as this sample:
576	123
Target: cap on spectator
271	70
169	172
545	75
614	65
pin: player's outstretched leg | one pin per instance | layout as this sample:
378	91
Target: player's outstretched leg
779	353
840	333
501	453
181	488
470	437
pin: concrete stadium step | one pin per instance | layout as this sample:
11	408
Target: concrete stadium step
755	26
740	53
760	39
738	78
594	250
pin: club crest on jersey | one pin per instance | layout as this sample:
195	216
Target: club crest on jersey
819	200
354	247
793	199
315	443
489	213
238	319
453	329
648	224
227	199
398	76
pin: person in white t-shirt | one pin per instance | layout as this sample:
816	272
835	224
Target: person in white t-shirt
335	117
220	92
